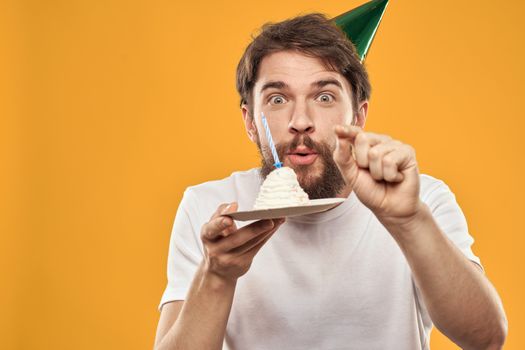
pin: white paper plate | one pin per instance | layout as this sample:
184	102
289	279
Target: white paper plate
315	206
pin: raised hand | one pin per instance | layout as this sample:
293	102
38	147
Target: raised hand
381	171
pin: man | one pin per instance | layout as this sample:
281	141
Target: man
373	273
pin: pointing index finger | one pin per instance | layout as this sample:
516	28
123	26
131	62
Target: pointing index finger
347	131
346	137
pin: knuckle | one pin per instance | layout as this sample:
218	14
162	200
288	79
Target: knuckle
388	161
212	228
374	153
204	231
361	138
360	155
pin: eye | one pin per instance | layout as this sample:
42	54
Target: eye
277	100
325	98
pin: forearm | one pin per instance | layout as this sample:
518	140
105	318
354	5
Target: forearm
461	301
202	321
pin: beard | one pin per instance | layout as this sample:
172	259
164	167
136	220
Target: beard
327	185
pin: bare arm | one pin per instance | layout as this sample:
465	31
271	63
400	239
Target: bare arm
168	315
200	321
461	301
384	175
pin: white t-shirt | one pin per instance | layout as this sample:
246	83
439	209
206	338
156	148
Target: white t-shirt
332	280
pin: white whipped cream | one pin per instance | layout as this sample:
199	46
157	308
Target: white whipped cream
280	189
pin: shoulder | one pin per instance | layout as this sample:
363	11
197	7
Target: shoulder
436	193
241	187
447	213
430	184
245	178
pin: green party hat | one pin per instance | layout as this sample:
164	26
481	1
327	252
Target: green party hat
360	24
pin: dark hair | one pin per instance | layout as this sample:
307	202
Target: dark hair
313	35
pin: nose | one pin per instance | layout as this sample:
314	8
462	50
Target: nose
301	122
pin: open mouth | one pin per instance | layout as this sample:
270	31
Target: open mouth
302	156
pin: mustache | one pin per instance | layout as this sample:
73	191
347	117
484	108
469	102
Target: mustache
330	181
301	139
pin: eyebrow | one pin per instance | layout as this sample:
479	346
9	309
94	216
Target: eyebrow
319	84
324	82
274	85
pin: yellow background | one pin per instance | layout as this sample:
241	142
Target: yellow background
110	109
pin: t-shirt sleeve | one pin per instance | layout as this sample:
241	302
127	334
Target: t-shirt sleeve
185	250
450	218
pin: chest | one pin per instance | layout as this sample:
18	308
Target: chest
319	280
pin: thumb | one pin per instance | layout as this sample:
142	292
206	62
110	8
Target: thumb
343	153
231	208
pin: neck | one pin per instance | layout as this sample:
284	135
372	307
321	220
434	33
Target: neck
344	193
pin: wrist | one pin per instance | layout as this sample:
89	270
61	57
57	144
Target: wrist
408	226
214	281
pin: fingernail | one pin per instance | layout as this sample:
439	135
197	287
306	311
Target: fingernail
226	209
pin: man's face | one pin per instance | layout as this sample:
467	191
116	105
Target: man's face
302	101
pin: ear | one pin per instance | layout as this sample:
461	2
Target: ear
249	123
361	114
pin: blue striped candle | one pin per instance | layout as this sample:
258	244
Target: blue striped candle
277	163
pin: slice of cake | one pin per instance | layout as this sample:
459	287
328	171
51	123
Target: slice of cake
280	189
